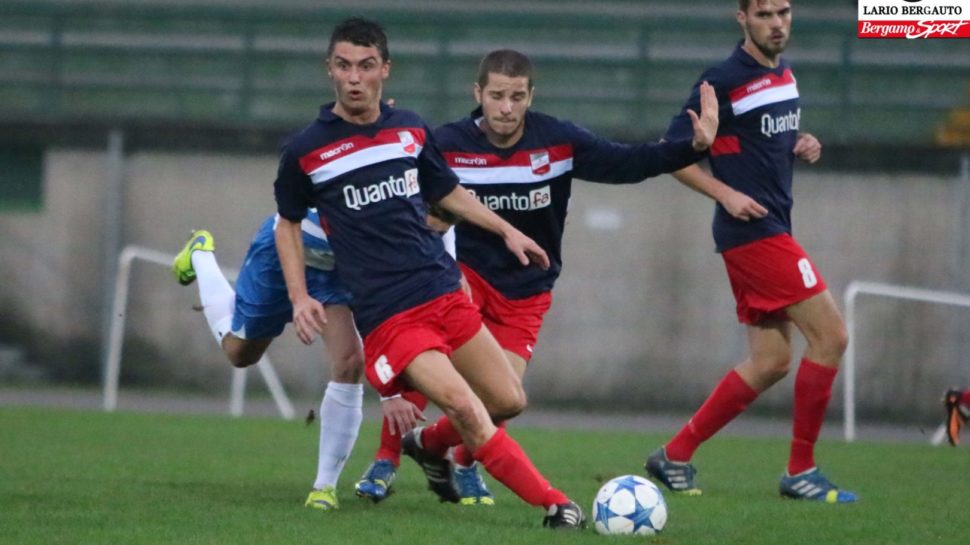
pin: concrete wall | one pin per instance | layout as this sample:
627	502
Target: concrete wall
643	316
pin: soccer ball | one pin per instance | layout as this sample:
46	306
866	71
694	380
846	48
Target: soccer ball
629	505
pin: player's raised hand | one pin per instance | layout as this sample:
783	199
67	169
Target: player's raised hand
526	249
705	125
807	148
308	319
402	415
743	207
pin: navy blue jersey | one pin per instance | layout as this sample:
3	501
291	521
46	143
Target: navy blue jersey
369	184
753	150
529	185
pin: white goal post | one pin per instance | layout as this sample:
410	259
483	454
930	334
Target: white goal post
852	292
112	364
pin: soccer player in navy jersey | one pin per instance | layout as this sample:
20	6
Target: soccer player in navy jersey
773	280
520	164
246	320
368	169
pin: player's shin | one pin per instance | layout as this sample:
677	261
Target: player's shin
505	460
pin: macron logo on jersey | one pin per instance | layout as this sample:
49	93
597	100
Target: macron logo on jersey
331	153
766	90
406	186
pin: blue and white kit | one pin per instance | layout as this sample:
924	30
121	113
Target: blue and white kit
262	305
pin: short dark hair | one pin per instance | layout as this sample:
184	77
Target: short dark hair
507	62
743	5
362	32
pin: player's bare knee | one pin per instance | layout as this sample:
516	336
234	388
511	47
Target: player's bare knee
773	369
510	405
829	346
839	341
241	360
347	369
461	411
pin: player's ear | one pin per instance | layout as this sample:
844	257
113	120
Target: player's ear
477	90
386	70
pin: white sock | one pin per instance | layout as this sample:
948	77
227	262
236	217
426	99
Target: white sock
216	295
340	416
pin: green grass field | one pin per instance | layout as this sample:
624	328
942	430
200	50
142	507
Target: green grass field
94	478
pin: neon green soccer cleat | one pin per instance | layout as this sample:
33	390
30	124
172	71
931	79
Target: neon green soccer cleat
325	499
182	265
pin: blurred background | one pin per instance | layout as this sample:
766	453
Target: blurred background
132	122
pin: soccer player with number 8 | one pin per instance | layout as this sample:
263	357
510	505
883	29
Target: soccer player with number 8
773	280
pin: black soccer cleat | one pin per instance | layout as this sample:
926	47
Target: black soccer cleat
565	516
676	476
438	471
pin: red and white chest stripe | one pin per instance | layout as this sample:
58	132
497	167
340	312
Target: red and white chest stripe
342	156
522	167
765	90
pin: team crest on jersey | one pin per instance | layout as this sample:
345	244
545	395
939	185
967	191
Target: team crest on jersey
540	162
407	140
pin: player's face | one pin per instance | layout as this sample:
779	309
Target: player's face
358	75
767	26
504	102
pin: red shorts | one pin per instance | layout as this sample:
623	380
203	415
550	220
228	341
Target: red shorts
768	275
443	324
514	323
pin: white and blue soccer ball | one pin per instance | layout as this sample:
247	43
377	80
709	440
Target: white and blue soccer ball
629	505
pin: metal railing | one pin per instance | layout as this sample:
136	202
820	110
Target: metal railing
112	364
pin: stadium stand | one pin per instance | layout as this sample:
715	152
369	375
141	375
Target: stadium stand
615	67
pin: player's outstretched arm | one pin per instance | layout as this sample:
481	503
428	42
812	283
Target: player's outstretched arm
737	204
461	203
308	314
807	148
705	124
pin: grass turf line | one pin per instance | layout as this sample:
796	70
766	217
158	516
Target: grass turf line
90	477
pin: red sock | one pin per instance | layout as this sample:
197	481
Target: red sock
439	437
462	456
505	460
729	399
390	448
813	390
